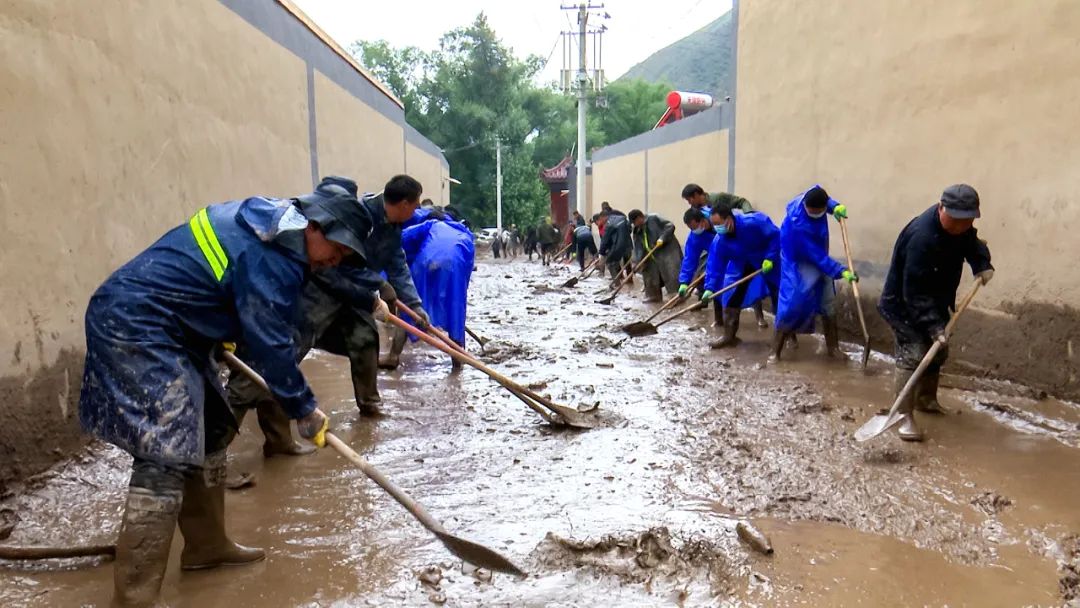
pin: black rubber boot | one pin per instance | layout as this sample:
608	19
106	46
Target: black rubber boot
831	330
926	394
908	430
276	428
392	359
202	523
365	373
142	548
731	328
759	316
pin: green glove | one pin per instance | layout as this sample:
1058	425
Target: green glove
705	297
840	211
849	276
683	289
766	266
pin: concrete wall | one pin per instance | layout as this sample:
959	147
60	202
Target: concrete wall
118	120
648	171
886	103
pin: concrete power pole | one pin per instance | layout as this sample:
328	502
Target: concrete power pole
498	185
582	86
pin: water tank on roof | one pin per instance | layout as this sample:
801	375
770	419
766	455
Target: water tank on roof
689	103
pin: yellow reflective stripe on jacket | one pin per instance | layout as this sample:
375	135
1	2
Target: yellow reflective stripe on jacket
208	243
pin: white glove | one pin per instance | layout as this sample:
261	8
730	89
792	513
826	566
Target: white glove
986	275
381	309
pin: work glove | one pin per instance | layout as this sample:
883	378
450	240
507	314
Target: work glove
985	276
849	276
424	321
381	310
659	243
313	427
840	212
766	266
705	297
683	290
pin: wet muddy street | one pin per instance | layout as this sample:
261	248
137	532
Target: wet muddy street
641	511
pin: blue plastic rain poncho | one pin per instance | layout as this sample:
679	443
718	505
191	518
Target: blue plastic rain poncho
696	245
152	326
441	257
755	238
806	270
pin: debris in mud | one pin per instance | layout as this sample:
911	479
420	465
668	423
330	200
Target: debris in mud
497	351
641	558
8	520
240	481
754	537
1069	583
606	365
991	503
538	386
430	576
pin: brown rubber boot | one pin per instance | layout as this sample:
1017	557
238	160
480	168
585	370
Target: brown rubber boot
926	394
759	315
142	548
279	438
831	329
202	523
908	430
731	328
392	359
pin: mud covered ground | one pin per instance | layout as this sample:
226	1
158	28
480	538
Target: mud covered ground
639	512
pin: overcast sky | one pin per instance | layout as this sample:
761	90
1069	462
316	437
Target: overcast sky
636	28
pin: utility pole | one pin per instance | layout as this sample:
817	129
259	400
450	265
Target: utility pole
498	185
582	85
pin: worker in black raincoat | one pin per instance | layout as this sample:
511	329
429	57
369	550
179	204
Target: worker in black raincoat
656	235
920	290
234	273
615	246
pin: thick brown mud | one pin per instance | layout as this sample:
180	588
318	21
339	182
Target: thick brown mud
641	511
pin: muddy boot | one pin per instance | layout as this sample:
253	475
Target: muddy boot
718	313
759	315
365	374
778	340
653	294
907	430
731	328
831	329
392	358
926	394
275	426
202	523
142	548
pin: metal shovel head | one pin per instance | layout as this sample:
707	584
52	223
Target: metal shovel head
877	425
478	555
866	354
571	282
639	328
574	417
607	300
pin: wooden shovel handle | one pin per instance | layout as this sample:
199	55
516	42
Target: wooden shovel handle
634	271
855	285
675	298
435	331
700	304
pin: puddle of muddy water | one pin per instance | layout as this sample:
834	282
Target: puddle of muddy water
699	440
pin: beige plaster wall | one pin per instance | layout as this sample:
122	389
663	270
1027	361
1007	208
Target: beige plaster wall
354	139
620	181
429	170
701	160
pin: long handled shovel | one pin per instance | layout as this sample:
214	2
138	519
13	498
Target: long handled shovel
481	340
855	292
465	549
618	288
563	250
703	303
563	415
435	331
646	328
584	273
883	422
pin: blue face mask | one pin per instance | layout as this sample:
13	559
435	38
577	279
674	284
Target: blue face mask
720	228
816	216
699	231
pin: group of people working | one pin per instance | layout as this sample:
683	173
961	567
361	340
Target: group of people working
736	257
270	279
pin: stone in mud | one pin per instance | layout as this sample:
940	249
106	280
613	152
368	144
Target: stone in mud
8	520
991	503
430	576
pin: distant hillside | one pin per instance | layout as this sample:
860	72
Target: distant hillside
701	62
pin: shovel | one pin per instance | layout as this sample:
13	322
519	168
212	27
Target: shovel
563	415
618	288
584	273
467	550
479	339
703	303
855	292
883	422
646	328
435	331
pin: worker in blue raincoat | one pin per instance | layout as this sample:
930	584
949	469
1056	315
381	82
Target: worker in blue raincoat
441	256
696	250
234	273
744	243
331	320
807	272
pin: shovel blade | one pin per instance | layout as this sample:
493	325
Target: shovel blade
876	426
607	300
866	354
478	555
571	282
574	417
639	328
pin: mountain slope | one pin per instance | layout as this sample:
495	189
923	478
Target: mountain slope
700	62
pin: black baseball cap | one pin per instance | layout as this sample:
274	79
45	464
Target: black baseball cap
961	201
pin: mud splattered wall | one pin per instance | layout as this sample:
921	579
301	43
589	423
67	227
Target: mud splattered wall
118	120
886	103
648	171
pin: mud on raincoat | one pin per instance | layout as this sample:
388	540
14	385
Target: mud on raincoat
806	270
152	326
755	239
441	256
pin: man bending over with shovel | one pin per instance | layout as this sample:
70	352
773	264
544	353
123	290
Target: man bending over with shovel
651	233
615	245
919	292
234	273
